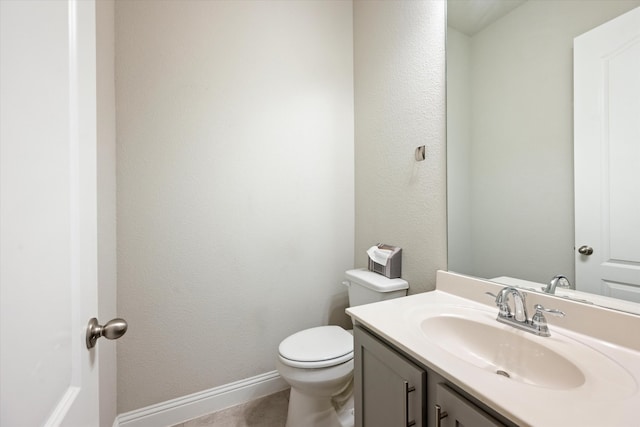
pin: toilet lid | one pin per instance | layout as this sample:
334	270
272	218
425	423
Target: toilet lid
317	347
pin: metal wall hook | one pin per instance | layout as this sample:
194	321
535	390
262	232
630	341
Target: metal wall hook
112	330
421	153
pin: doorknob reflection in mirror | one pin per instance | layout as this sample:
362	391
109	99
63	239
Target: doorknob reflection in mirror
585	250
114	329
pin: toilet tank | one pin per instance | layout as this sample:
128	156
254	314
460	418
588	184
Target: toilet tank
366	287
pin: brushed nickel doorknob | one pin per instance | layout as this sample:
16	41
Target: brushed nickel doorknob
113	329
585	250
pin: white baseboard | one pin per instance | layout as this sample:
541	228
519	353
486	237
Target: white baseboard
205	402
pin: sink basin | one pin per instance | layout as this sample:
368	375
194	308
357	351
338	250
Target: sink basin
513	354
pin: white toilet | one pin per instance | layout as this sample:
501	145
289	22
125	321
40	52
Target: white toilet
318	362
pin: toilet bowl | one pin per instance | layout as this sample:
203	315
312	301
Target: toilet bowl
318	362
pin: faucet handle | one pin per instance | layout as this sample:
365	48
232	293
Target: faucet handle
539	322
553	311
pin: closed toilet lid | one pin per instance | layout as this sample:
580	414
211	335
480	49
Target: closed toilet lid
317	347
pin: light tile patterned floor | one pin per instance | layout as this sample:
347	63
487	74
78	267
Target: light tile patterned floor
268	411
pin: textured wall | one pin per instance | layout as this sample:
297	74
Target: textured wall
235	186
106	181
399	63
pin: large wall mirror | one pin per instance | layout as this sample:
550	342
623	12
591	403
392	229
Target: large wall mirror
510	145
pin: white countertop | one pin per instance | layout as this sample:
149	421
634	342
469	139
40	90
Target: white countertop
609	395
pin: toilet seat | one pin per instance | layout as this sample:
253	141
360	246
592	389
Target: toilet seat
318	347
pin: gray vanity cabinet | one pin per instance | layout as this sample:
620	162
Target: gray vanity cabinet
391	390
454	410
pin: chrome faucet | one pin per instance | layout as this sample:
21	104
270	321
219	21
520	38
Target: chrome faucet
556	281
519	318
519	304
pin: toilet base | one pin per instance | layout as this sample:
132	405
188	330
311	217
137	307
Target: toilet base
312	411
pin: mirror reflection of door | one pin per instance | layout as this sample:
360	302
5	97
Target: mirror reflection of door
607	157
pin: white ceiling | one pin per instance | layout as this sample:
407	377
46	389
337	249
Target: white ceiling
471	16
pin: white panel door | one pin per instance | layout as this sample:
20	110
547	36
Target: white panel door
607	157
48	213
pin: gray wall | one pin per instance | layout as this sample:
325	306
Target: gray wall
521	139
235	186
399	105
459	151
236	179
106	182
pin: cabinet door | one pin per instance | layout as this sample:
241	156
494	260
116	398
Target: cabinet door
456	411
389	389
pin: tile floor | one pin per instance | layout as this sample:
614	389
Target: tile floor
267	411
